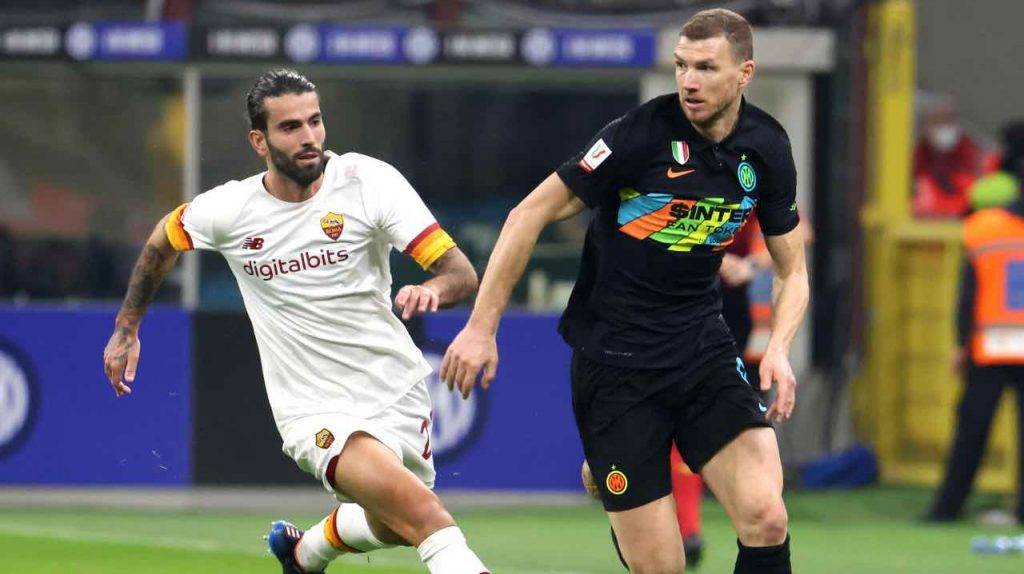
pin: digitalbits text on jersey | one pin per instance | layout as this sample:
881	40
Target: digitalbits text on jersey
306	260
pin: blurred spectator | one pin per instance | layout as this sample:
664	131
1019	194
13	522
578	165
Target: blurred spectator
1013	149
990	325
8	266
993	190
746	284
1002	186
43	280
946	163
743	260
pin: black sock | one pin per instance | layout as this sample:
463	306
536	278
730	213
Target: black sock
763	559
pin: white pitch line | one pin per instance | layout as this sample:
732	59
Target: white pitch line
163	542
178	543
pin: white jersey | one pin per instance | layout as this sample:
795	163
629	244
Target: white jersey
316	282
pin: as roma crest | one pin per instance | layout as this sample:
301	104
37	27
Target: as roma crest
324	439
332	224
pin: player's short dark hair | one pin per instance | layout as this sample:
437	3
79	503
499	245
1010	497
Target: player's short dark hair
721	22
271	85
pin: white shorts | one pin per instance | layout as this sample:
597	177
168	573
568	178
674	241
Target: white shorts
404	427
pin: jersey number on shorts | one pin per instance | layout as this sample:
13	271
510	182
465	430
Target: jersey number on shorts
425	429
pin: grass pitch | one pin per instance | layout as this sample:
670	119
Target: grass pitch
865	531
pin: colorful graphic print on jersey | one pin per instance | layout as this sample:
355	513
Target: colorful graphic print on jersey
681	224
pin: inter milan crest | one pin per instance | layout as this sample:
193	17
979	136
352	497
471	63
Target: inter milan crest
616	482
681	151
332	224
748	178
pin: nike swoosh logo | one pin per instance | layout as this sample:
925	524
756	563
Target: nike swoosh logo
674	174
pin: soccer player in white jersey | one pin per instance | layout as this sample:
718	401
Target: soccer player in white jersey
308	242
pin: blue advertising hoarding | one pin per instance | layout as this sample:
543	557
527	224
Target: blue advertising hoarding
520	434
61	423
585	48
127	41
333	44
344	44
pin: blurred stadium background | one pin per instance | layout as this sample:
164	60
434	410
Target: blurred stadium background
114	112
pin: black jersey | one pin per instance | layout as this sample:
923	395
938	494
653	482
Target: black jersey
666	203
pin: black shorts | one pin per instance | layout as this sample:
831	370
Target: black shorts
627	436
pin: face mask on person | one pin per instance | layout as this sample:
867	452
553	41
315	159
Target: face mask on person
944	138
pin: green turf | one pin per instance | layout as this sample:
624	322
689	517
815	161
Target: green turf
867	531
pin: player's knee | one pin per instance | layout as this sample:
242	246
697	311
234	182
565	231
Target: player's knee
765	523
656	563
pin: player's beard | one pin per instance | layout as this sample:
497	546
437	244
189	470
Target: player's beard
290	167
713	118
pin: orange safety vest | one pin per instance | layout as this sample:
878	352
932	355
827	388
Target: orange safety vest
994	239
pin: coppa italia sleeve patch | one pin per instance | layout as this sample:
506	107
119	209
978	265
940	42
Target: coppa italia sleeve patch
595	156
175	229
429	245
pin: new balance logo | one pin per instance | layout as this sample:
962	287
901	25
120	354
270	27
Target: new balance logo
254	243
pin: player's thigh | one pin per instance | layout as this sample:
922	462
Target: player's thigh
316	441
626	440
724	435
359	460
746	478
410	422
717	409
369	473
649	537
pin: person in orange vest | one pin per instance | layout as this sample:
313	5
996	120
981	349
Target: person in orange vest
990	327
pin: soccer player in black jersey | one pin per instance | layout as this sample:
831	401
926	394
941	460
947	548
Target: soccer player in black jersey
669	183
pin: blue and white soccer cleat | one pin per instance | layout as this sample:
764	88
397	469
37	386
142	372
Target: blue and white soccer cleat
282	540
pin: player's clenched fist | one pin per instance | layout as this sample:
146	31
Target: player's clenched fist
416	300
471	353
120	359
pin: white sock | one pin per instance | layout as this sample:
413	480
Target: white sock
345	528
319	545
354	530
445	552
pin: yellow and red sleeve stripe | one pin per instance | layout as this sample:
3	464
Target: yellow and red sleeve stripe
331	534
429	245
175	228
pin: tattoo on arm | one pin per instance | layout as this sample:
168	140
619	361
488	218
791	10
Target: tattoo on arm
454	277
123	336
149	272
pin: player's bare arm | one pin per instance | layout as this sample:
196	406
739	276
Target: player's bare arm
790	293
121	355
454	281
475	348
